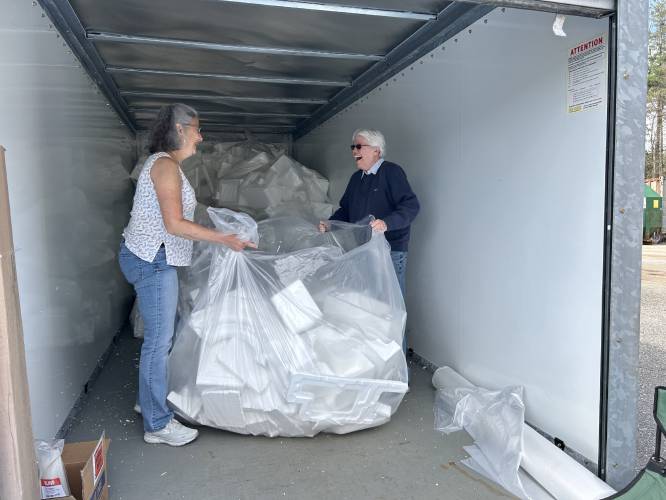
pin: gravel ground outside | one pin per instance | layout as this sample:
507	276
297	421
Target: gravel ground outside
653	344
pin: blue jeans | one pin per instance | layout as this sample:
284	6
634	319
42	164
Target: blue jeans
156	285
400	265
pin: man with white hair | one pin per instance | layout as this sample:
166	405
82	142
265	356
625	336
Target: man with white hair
379	188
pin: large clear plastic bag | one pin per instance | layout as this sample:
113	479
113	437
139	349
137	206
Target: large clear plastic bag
300	336
495	420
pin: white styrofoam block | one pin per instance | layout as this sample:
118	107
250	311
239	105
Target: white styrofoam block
295	305
259	197
187	405
342	354
270	399
284	173
372	316
385	350
227	191
223	408
211	372
316	188
244	167
200	322
236	357
365	408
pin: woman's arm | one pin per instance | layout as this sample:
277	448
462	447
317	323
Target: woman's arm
166	179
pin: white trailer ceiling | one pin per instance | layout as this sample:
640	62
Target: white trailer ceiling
505	265
266	57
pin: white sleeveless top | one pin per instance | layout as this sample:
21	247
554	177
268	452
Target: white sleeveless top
145	232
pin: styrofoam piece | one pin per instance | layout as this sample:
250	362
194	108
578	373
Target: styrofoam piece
340	353
385	350
559	474
365	408
226	363
186	405
297	266
212	373
259	197
372	316
295	305
284	173
227	191
270	399
244	167
223	408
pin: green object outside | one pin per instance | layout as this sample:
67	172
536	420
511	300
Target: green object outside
648	485
661	407
652	212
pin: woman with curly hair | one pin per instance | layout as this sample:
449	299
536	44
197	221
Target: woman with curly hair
156	241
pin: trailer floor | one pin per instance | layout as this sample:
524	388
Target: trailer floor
403	459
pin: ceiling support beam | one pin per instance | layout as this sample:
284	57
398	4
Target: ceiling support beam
235	78
226	47
337	9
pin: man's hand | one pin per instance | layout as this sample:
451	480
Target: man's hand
324	226
378	225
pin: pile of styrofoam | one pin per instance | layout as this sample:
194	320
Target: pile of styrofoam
259	179
291	343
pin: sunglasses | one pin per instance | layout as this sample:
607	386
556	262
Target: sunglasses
359	146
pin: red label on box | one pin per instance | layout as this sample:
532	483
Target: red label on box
98	459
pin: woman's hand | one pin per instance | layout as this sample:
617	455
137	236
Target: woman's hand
235	243
324	226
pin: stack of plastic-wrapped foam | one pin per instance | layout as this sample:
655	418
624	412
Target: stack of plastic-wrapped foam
301	336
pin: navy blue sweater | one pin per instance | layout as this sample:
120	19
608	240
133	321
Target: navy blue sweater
388	196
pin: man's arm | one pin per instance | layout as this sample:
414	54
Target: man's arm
406	203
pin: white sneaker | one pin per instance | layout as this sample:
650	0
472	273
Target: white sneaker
174	434
137	408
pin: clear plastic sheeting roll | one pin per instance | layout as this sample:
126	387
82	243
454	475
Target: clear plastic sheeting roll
298	337
505	449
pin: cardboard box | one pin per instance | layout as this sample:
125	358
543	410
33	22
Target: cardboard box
85	465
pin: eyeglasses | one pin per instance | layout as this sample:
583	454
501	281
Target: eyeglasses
359	146
198	129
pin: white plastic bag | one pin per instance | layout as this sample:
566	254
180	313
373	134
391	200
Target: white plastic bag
52	476
265	348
